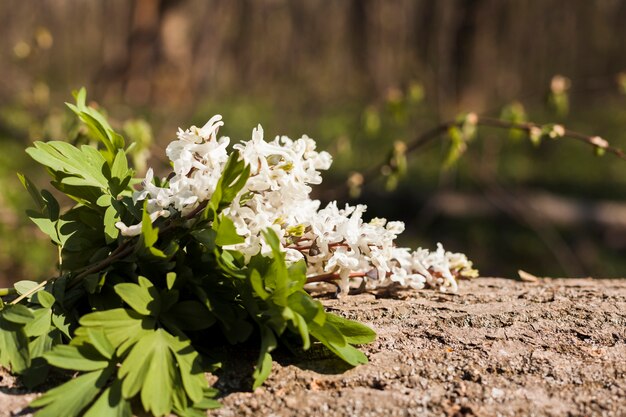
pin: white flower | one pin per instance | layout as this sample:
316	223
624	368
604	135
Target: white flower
135	230
277	195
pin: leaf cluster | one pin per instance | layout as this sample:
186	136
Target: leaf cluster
136	317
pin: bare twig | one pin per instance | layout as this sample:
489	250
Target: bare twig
29	292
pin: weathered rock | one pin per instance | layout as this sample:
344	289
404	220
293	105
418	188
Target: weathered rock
499	347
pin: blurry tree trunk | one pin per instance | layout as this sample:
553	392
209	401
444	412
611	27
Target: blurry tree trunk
468	54
143	50
152	44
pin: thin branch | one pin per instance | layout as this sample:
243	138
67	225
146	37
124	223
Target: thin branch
331	277
434	133
412	146
334	276
122	251
313	245
29	292
594	141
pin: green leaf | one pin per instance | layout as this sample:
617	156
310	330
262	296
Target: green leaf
156	393
69	399
354	332
257	284
328	333
93	282
97	125
33	191
303	329
77	358
47	218
110	403
199	409
81	97
111	216
47	226
151	369
83	166
52	209
119	169
120	325
191	372
303	304
100	342
62	322
144	282
17	314
136	365
143	300
264	364
120	174
116	139
168	299
14	350
227	233
277	276
44	298
348	353
22	287
149	234
233	179
332	338
40	324
170	279
43	343
207	402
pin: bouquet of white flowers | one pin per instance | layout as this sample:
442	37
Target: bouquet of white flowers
154	273
336	244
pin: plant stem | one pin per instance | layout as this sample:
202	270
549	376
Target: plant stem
333	276
126	249
123	250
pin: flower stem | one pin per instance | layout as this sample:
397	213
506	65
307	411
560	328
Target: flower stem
331	277
126	249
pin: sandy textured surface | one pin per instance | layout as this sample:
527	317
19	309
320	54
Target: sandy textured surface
498	348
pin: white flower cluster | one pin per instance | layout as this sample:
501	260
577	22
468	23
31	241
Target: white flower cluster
337	244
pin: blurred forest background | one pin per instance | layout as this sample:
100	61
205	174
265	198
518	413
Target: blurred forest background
356	75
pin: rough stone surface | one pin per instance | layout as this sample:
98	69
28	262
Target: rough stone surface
556	347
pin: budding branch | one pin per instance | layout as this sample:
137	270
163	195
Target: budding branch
493	122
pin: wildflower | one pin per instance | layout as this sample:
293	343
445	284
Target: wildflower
331	240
